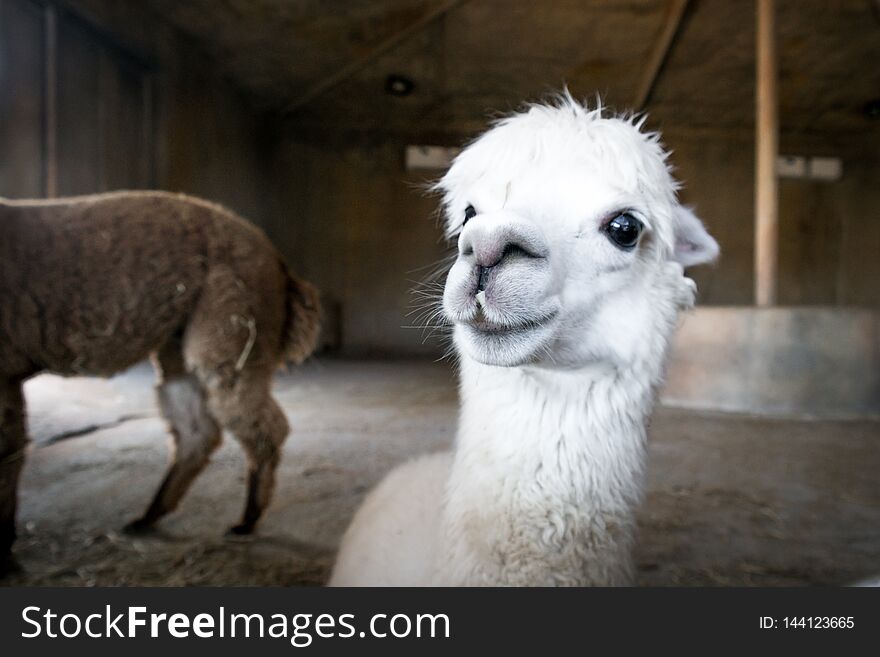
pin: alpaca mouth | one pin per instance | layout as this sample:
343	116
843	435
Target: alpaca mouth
483	326
507	344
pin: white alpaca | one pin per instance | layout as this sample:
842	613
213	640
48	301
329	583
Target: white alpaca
566	290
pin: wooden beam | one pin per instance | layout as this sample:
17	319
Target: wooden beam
326	84
148	165
766	151
50	101
659	53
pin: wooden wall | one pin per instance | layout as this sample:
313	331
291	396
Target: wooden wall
94	100
829	233
22	100
79	115
364	230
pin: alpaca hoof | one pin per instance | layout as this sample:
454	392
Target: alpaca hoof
139	527
241	529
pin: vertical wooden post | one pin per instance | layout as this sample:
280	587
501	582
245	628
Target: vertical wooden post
766	150
148	165
50	100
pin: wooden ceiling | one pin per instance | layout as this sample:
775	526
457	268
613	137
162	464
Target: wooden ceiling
325	63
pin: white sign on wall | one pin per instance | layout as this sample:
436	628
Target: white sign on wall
429	158
813	168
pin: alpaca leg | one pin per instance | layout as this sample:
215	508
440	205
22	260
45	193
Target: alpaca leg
195	433
13	440
232	343
250	413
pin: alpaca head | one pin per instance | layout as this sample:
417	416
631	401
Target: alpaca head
571	241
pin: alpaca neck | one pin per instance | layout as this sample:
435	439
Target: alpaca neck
546	476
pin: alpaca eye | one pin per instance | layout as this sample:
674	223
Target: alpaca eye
624	230
469	213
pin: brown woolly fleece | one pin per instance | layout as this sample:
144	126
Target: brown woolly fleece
93	284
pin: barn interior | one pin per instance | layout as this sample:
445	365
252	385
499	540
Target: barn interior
323	122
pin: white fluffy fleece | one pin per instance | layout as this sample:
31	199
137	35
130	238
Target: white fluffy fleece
562	334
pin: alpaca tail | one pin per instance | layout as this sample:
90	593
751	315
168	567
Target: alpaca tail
303	324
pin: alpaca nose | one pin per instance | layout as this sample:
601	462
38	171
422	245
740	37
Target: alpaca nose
489	244
509	252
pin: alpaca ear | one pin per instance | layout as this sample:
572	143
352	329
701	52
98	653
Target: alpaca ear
693	244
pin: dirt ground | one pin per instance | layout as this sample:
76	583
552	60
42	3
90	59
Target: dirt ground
732	500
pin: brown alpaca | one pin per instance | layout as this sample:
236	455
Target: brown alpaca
93	284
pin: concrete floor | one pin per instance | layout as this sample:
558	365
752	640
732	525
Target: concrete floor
732	500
